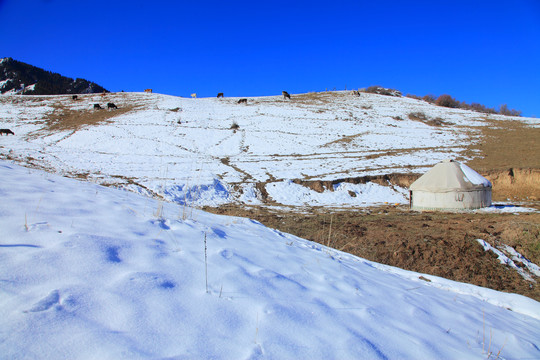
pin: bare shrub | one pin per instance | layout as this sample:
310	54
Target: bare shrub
504	110
422	117
438	121
482	108
412	96
418	116
430	98
447	101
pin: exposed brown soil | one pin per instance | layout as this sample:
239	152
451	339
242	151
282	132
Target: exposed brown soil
65	119
506	145
441	244
403	180
508	154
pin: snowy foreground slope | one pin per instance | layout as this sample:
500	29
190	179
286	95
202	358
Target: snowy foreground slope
90	272
186	151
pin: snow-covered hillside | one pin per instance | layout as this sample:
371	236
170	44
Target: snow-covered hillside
90	272
186	150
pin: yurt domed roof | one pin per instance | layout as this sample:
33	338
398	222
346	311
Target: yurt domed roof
450	175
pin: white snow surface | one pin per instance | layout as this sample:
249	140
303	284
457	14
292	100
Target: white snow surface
90	272
473	176
181	148
289	193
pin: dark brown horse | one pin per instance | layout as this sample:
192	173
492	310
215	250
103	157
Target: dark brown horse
6	131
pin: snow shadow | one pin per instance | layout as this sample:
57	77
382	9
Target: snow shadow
19	245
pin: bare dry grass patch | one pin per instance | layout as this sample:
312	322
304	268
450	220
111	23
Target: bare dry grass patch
423	118
507	144
318	98
63	118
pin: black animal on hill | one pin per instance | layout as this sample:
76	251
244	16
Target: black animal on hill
6	131
242	101
97	106
286	95
111	106
74	97
220	95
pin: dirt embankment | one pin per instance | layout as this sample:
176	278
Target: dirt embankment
511	184
515	184
402	180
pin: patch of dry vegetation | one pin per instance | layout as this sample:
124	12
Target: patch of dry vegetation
508	154
423	118
448	101
319	98
65	119
507	145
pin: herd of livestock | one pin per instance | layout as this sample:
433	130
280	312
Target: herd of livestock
111	105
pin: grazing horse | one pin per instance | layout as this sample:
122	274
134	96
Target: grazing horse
111	106
74	97
286	95
6	131
97	106
242	101
148	91
220	95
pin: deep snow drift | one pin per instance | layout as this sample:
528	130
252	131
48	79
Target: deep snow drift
91	272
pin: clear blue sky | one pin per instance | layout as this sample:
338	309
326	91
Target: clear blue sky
475	50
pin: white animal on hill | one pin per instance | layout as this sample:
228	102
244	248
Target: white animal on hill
194	95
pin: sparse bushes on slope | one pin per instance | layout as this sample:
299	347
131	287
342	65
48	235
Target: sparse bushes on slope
448	101
504	110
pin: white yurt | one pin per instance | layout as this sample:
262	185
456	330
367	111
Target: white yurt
450	185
